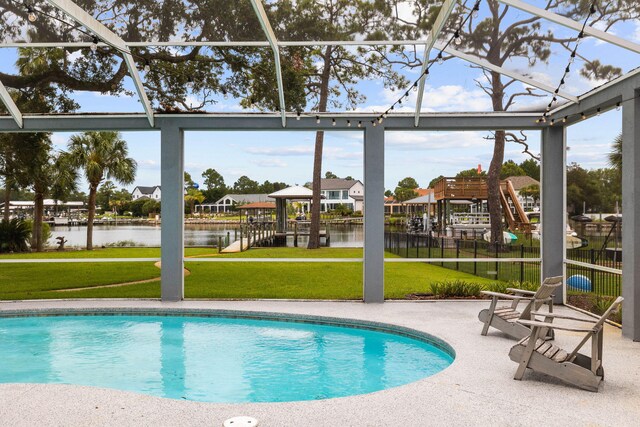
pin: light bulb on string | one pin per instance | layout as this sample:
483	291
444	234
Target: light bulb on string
562	84
476	11
456	38
618	106
415	87
94	45
225	94
190	86
348	123
426	74
333	122
147	66
599	111
359	123
31	14
440	59
564	119
317	120
298	115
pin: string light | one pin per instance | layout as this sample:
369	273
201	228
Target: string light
598	111
567	70
317	120
373	122
348	123
476	10
298	115
359	123
94	44
564	119
333	122
147	66
583	116
456	39
618	106
31	14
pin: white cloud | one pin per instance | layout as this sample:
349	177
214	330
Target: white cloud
148	164
435	140
297	150
270	163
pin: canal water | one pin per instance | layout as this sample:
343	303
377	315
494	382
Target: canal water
194	235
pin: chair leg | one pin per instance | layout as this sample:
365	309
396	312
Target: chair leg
527	353
492	308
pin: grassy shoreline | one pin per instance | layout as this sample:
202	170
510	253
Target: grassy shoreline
213	280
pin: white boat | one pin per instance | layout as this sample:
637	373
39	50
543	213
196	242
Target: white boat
60	220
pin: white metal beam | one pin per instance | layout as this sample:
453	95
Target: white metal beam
273	42
78	14
11	106
570	23
445	12
489	66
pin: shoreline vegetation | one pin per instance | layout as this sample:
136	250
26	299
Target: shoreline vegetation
216	280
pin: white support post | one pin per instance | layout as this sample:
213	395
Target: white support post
570	23
553	207
172	236
78	14
631	222
273	42
445	12
489	66
11	106
373	268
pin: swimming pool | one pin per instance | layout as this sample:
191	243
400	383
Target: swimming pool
217	359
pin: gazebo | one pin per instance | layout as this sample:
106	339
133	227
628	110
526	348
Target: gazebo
294	193
552	123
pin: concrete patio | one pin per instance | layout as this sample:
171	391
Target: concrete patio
477	389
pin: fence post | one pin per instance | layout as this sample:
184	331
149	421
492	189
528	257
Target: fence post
219	244
475	255
521	264
240	237
442	251
497	253
457	253
228	238
417	246
592	252
406	236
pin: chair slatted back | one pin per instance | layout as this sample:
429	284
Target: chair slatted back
546	289
597	327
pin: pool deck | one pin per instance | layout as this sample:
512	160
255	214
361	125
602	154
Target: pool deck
477	389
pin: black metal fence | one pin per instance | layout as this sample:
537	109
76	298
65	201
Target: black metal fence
409	245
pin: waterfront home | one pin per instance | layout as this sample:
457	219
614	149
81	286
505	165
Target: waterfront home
229	202
336	191
153	193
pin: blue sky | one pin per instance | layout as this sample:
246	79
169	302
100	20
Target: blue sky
288	156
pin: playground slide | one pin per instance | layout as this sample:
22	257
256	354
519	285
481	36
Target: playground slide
520	219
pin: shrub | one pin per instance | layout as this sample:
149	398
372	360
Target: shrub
123	244
600	304
455	288
14	236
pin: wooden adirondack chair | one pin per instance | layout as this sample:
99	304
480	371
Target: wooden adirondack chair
505	318
572	367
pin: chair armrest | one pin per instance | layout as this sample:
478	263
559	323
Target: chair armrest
521	291
533	323
504	296
562	316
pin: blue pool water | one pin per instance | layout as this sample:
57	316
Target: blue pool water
211	359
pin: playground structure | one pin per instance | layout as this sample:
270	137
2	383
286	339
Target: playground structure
473	191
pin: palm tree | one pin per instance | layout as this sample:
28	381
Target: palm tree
101	155
615	155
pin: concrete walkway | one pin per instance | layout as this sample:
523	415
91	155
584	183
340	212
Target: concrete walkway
237	246
476	390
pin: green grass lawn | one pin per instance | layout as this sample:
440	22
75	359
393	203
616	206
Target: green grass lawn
216	279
